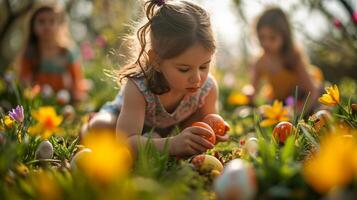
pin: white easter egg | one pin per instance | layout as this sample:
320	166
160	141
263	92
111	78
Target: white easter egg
251	146
68	112
63	97
78	156
236	182
44	150
46	91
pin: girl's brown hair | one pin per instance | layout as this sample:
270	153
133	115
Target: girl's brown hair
171	28
31	50
276	19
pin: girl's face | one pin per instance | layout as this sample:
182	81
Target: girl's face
270	40
187	72
46	26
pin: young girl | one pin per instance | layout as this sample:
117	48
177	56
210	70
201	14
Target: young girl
48	59
281	63
169	82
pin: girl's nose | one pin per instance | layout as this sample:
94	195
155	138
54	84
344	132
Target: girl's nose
196	77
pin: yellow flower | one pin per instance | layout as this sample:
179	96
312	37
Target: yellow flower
335	163
46	186
274	114
9	123
47	122
109	158
237	98
332	96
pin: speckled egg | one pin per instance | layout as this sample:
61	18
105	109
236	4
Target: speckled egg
320	119
237	181
251	146
206	163
44	150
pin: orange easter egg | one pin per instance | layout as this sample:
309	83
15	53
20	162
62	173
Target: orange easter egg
282	131
212	138
217	123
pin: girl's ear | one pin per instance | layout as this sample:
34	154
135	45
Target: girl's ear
152	55
153	58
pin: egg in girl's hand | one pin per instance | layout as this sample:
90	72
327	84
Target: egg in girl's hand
282	131
251	146
207	163
44	150
211	138
217	123
237	181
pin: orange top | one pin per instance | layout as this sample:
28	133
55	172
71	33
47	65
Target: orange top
284	82
61	72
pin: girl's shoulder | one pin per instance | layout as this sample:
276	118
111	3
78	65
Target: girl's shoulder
71	54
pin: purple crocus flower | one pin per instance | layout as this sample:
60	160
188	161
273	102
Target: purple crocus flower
17	114
289	101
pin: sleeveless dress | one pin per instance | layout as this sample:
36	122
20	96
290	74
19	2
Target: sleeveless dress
155	114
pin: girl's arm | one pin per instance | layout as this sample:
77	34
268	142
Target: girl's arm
131	121
78	91
255	78
25	72
305	81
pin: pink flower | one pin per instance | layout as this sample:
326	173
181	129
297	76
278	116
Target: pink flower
354	18
337	23
87	51
100	41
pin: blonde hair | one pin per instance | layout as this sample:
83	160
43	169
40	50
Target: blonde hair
171	28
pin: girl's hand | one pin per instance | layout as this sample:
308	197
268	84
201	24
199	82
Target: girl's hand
190	142
222	138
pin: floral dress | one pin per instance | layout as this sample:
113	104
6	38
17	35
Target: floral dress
155	114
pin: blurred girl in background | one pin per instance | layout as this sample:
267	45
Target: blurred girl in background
48	58
282	64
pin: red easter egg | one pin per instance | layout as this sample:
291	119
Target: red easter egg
282	130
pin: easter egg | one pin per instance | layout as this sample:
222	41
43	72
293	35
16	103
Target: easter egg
206	163
63	97
251	146
68	112
320	119
78	156
217	123
212	138
237	181
44	150
281	131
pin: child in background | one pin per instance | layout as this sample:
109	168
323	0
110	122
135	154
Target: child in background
168	83
48	58
282	63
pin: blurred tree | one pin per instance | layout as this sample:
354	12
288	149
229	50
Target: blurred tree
11	11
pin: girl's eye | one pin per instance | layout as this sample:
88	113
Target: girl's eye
204	67
183	69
